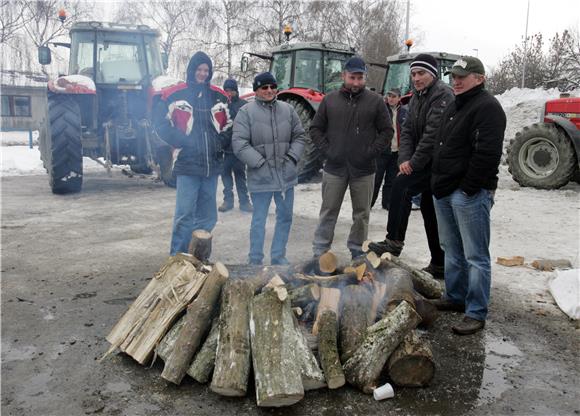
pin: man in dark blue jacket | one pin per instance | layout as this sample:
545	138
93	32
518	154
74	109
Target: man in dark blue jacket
193	117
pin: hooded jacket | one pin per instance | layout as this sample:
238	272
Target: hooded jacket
194	118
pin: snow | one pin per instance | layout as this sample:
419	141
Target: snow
526	222
164	81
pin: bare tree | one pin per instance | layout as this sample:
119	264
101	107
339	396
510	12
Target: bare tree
12	19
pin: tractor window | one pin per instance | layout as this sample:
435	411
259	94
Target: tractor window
399	76
81	58
282	69
333	64
119	62
153	57
445	65
308	69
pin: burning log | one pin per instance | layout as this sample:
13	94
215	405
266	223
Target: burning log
277	374
326	264
423	282
411	364
141	328
328	351
377	303
232	363
202	366
304	295
354	318
200	245
329	299
197	321
343	278
364	367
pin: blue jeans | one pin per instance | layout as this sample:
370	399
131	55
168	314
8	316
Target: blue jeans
284	206
195	209
464	232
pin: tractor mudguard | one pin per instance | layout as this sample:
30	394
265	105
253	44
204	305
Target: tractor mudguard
571	131
72	84
311	96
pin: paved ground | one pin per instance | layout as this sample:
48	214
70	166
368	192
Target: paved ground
71	265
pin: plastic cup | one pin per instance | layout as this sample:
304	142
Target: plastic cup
384	392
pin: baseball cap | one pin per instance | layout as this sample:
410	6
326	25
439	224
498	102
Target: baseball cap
355	64
466	65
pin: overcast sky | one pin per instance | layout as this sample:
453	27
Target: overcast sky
492	27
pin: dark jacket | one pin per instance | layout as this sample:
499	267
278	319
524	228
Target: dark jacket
351	130
418	132
201	150
234	107
469	147
401	117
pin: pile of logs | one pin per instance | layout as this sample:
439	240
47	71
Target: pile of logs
299	328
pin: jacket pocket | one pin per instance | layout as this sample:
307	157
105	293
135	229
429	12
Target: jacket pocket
289	170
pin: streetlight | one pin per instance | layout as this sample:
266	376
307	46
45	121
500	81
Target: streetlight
525	47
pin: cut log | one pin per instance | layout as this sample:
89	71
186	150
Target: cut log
328	350
329	299
423	282
277	285
328	262
197	321
411	364
336	279
200	245
151	315
202	366
364	367
426	310
232	364
354	318
399	288
277	374
378	301
262	278
163	350
303	295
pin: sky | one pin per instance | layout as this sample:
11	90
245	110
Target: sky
488	29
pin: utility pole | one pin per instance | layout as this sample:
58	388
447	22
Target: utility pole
407	25
525	47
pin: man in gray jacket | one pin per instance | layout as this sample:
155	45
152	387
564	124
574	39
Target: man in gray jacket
269	138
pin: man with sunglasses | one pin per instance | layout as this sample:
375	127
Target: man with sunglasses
352	128
269	138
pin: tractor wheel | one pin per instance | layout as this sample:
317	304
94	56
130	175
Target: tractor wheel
311	161
542	156
61	147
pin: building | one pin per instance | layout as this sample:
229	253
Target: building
23	100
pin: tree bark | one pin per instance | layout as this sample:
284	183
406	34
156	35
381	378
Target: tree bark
200	245
354	318
277	374
411	364
328	351
232	364
364	367
196	324
423	282
304	295
329	300
202	366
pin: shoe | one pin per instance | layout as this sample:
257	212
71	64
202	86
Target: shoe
446	305
281	261
247	207
356	253
390	246
225	207
438	272
468	326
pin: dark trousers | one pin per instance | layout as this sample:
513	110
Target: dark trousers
234	168
387	169
404	187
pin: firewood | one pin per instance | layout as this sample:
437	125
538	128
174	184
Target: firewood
382	338
423	282
232	364
202	366
277	374
343	278
165	346
354	318
196	323
200	245
399	288
303	295
277	285
329	299
328	350
377	303
328	262
411	364
151	315
551	265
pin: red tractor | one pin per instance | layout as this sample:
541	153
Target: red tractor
546	155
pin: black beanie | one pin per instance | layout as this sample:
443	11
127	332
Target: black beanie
265	78
427	63
230	84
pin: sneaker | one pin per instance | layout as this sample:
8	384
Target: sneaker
468	326
281	261
446	305
247	207
438	272
226	206
390	246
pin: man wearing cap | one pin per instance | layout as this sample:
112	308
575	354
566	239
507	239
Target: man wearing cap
269	138
387	166
430	98
233	167
352	128
464	179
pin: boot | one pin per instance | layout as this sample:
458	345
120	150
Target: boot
246	207
226	206
446	305
438	272
390	246
468	326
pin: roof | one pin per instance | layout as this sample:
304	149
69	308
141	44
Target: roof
331	46
409	56
113	27
13	78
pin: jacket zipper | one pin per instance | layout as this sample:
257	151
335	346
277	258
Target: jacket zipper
206	152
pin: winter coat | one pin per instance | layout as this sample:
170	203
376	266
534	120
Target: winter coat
269	138
194	118
352	130
401	117
234	107
469	146
424	116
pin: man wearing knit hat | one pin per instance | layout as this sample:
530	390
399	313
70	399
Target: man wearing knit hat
233	167
430	98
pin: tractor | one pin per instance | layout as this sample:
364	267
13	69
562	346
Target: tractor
102	108
546	154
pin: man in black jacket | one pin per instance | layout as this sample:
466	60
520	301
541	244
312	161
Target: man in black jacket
233	167
352	128
430	99
464	178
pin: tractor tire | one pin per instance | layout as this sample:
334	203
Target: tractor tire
60	145
542	156
311	161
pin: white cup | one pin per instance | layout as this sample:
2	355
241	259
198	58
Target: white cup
384	392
